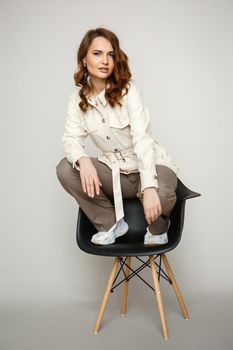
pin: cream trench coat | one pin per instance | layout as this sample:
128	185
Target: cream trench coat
121	133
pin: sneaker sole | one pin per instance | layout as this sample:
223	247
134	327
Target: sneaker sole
155	243
98	243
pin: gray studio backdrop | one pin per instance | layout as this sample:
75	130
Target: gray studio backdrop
180	54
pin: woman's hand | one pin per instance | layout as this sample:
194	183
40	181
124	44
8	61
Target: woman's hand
151	204
89	177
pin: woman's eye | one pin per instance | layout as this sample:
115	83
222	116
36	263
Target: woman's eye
98	53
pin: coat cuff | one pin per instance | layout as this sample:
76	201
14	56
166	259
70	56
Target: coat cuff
75	158
148	179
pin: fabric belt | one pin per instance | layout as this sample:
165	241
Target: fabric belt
117	193
114	158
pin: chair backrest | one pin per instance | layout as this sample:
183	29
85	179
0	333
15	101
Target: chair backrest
178	212
134	216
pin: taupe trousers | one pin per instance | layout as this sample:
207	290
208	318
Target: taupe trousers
100	209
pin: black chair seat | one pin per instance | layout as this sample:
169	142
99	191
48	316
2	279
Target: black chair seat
131	244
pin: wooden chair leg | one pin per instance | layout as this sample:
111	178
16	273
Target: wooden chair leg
125	287
106	294
175	287
158	297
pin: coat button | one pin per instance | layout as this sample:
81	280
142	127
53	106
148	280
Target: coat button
155	177
108	137
103	120
123	159
116	150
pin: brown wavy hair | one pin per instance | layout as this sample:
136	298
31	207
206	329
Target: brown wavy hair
117	81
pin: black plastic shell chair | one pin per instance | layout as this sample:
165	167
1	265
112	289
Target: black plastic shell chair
131	245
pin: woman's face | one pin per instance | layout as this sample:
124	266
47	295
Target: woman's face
99	59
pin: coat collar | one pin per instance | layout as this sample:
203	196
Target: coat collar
101	95
102	98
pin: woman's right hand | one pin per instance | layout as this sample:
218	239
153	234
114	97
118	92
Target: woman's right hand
89	177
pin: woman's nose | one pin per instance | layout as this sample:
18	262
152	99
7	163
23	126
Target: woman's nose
105	59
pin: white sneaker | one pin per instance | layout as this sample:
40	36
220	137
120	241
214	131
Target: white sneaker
108	237
150	239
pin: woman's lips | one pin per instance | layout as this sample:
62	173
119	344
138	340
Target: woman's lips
103	70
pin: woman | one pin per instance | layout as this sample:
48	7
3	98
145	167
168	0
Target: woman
107	106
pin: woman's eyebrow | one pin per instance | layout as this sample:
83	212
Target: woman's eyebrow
102	51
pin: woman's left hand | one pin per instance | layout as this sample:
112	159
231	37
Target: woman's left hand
151	204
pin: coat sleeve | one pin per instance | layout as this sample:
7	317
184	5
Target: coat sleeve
143	143
74	134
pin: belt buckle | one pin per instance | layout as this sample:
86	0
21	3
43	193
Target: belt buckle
118	154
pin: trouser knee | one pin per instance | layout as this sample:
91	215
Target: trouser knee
64	171
168	201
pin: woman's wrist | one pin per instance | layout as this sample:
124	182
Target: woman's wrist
149	188
78	162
